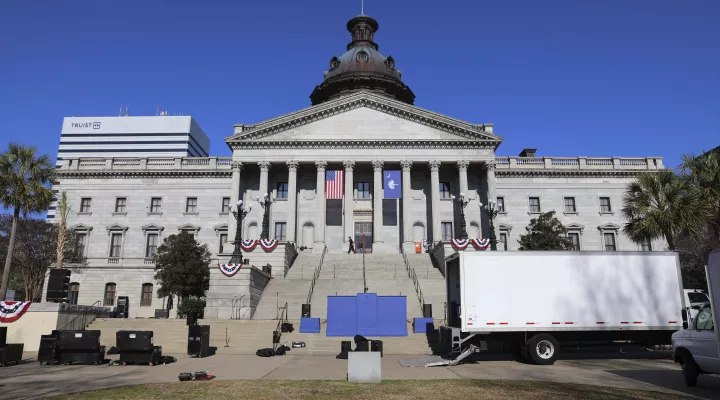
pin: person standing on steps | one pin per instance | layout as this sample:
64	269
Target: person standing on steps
352	245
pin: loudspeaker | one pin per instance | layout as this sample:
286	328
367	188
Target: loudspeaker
361	343
276	337
123	307
58	285
3	335
134	341
345	348
427	310
306	310
199	340
87	341
377	345
191	319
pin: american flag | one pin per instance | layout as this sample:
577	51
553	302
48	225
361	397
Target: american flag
334	188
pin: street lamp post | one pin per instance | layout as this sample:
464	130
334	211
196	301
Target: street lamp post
491	211
265	202
463	201
239	213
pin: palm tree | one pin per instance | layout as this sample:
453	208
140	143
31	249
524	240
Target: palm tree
25	181
704	173
660	205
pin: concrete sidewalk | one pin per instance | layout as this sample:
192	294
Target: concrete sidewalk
30	380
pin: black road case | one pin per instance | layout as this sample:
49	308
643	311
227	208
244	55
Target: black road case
88	358
152	357
10	353
48	352
199	340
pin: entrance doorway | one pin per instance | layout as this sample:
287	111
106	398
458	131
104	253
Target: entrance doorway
363	228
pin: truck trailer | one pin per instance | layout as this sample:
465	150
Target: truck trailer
534	301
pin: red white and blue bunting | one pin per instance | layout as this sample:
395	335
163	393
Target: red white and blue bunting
248	244
460	244
481	244
11	311
268	244
229	269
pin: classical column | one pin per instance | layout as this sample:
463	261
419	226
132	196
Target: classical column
406	219
320	193
435	189
349	198
491	181
462	166
234	197
264	169
291	224
377	200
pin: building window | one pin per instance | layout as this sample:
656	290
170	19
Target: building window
570	205
646	245
445	190
85	204
223	240
115	245
152	243
191	205
80	240
109	295
363	190
609	241
446	230
120	205
501	204
74	292
575	239
156	205
504	241
280	230
225	207
282	190
605	205
534	204
146	295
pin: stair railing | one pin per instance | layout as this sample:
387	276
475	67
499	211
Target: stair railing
236	307
316	275
82	315
365	288
413	276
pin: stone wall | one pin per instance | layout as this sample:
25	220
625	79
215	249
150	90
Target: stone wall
237	296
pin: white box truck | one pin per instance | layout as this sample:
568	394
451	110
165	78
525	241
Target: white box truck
535	300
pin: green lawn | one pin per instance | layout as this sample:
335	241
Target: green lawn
387	390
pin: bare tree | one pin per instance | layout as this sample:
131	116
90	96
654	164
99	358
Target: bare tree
63	208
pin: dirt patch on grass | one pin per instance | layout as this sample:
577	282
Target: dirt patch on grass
387	390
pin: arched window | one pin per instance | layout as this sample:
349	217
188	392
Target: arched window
74	292
146	295
109	295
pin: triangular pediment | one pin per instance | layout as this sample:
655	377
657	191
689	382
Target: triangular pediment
364	117
609	226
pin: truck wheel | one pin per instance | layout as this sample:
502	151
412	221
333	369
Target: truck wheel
690	370
543	349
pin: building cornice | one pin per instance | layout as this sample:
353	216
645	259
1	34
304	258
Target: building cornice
462	129
549	173
365	144
142	174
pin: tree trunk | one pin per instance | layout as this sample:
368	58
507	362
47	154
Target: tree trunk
8	258
670	241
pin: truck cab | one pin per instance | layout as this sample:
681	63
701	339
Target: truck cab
694	300
696	347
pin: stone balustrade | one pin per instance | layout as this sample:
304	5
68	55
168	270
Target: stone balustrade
584	163
152	163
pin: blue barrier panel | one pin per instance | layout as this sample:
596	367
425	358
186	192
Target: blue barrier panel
392	316
309	325
341	316
367	314
422	325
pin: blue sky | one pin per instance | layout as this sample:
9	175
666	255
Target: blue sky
570	78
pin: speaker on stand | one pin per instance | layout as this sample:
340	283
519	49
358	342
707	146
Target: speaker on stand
58	288
427	310
306	310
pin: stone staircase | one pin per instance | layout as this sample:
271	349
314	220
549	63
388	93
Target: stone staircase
246	336
432	283
293	289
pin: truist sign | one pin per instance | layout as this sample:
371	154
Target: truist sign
88	125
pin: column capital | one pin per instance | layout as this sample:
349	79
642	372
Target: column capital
321	165
435	165
406	164
490	165
264	165
292	165
463	165
236	165
349	165
378	165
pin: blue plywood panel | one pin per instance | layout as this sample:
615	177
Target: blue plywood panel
341	316
309	325
391	317
423	325
367	314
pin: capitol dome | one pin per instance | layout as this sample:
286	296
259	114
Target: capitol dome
362	67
